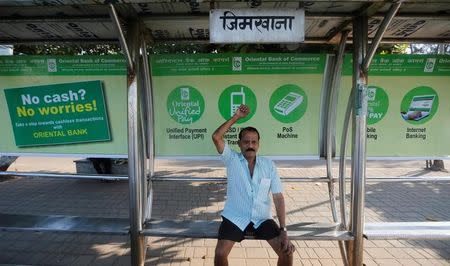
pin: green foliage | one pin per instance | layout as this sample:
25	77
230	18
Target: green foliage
66	49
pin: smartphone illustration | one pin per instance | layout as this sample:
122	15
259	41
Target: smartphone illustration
185	93
237	98
288	103
371	93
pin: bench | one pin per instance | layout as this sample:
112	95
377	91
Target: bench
62	223
407	230
154	227
209	229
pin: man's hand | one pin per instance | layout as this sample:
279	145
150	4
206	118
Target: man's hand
286	246
217	136
242	111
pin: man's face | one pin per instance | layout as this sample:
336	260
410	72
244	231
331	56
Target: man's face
249	144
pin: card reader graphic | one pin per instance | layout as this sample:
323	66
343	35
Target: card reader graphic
237	98
288	103
419	108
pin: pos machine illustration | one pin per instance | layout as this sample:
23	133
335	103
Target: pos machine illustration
288	103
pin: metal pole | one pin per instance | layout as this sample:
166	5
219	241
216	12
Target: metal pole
150	134
135	149
123	42
342	159
331	125
379	35
331	115
359	138
134	172
142	112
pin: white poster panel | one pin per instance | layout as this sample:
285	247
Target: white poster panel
257	26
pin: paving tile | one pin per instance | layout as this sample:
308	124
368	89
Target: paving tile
236	262
259	253
387	262
379	253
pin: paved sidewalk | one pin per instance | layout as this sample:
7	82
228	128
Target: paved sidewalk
385	201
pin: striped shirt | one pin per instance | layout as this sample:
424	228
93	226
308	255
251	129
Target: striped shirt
248	198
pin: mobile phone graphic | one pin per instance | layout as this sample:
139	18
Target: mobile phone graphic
288	103
371	93
184	93
429	65
237	98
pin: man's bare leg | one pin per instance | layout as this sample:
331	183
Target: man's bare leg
223	248
284	259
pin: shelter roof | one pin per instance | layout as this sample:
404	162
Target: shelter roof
188	20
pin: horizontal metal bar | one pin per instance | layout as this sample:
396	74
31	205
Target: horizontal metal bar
65	176
221	179
44	19
308	15
407	230
62	223
312	179
68	41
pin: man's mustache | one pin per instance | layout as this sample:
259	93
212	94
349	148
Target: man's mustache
250	149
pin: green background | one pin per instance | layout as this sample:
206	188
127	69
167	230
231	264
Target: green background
113	76
224	104
421	90
391	130
24	111
279	94
195	97
262	76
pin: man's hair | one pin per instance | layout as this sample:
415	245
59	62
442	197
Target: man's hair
250	129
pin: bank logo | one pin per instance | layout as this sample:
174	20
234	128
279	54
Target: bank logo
237	63
51	65
429	65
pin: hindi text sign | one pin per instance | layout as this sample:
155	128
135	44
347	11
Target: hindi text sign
257	26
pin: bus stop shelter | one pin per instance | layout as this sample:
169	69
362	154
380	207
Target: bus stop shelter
136	24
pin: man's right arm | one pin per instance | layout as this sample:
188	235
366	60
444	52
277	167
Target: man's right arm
218	134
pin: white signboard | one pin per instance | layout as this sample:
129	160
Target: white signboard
257	26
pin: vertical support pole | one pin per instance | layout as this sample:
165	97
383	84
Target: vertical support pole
359	139
136	167
135	149
135	173
150	133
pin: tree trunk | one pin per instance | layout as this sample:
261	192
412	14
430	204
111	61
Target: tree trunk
438	165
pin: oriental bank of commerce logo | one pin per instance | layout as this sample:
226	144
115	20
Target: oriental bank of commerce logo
51	65
237	63
429	65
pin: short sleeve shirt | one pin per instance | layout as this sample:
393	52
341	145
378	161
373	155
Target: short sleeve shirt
248	198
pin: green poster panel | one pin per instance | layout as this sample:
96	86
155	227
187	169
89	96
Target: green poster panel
58	114
283	92
408	106
63	105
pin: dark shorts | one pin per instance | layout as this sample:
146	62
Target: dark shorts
267	230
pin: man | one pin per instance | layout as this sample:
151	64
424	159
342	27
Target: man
247	209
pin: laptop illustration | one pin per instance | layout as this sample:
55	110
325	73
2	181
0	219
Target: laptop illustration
420	107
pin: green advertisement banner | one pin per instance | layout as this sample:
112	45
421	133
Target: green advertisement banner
68	105
408	105
194	94
58	113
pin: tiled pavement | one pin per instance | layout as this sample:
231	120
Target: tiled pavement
385	201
